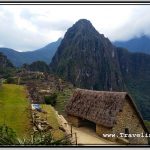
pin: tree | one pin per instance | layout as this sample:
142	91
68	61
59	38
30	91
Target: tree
7	136
10	80
51	99
1	82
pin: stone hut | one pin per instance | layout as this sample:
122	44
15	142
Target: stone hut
110	112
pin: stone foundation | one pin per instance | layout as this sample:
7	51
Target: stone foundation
75	121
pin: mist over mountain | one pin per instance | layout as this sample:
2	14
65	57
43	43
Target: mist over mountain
140	44
43	54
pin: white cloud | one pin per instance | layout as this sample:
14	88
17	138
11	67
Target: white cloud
137	24
29	27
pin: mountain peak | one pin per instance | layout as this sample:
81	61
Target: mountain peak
83	22
82	29
83	49
82	26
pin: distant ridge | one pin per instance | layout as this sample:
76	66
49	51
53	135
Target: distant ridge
141	44
43	54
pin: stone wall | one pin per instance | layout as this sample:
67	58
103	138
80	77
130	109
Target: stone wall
100	130
75	121
126	119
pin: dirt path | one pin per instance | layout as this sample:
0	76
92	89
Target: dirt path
85	135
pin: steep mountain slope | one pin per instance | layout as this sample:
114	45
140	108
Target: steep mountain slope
141	44
87	59
135	68
43	54
4	62
5	66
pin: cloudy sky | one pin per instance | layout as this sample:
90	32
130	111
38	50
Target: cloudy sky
29	27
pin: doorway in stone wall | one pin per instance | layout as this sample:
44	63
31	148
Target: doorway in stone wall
88	124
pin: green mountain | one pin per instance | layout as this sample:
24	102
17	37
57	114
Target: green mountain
135	68
43	54
5	66
137	44
89	60
37	66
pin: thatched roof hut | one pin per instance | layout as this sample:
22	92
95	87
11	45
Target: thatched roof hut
100	107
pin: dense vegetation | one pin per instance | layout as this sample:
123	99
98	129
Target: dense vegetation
51	99
9	137
135	68
37	66
6	67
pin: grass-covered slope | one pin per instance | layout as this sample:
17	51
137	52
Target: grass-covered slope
53	121
62	99
14	108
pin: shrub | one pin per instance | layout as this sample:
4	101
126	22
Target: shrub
10	80
43	138
51	99
7	136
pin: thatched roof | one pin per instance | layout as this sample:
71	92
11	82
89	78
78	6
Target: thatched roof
100	107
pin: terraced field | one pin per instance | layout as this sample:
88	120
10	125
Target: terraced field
14	109
62	99
53	121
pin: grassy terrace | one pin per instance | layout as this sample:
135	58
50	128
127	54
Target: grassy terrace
52	120
62	99
14	108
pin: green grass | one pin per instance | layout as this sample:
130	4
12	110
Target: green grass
53	121
147	124
14	108
62	99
